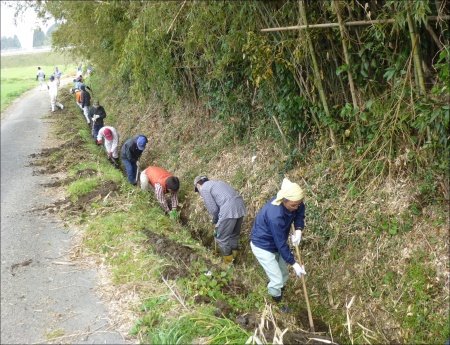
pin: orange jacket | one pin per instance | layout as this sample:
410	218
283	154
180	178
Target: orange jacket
78	96
157	175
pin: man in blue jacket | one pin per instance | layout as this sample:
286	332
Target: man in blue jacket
130	152
270	233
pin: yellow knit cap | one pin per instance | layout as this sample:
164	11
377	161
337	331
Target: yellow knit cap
290	191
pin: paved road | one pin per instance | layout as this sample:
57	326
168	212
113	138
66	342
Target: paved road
39	297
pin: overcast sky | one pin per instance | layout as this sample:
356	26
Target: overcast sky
25	25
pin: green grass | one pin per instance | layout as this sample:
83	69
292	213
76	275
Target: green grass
193	329
420	302
13	88
82	186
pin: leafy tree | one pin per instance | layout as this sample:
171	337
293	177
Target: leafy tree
38	38
51	29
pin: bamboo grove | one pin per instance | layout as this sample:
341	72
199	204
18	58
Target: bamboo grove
366	76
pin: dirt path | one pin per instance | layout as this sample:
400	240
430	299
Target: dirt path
45	297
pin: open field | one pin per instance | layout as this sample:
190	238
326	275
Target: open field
37	59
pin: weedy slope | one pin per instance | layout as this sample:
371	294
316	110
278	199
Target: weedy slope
375	250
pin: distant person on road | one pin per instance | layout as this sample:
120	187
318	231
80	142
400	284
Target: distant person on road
40	75
162	182
110	136
53	91
80	69
85	103
131	152
96	115
57	73
89	70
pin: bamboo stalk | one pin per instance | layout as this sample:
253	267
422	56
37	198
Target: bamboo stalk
435	38
417	60
416	53
281	131
347	61
352	23
344	47
328	25
317	78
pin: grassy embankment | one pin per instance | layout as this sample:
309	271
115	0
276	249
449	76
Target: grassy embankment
376	254
18	72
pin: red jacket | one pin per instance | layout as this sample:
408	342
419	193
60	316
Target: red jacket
157	175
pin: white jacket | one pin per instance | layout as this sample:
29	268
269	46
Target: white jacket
115	139
53	88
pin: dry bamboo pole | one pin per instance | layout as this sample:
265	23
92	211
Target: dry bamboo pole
435	38
173	21
347	61
352	23
317	78
281	131
328	25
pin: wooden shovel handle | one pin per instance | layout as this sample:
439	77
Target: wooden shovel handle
299	260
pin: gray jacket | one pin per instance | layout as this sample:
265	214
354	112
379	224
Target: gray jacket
222	201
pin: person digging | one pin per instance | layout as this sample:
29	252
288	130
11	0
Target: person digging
227	210
110	137
270	233
162	182
130	153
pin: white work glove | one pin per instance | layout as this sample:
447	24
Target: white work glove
296	237
299	270
95	117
